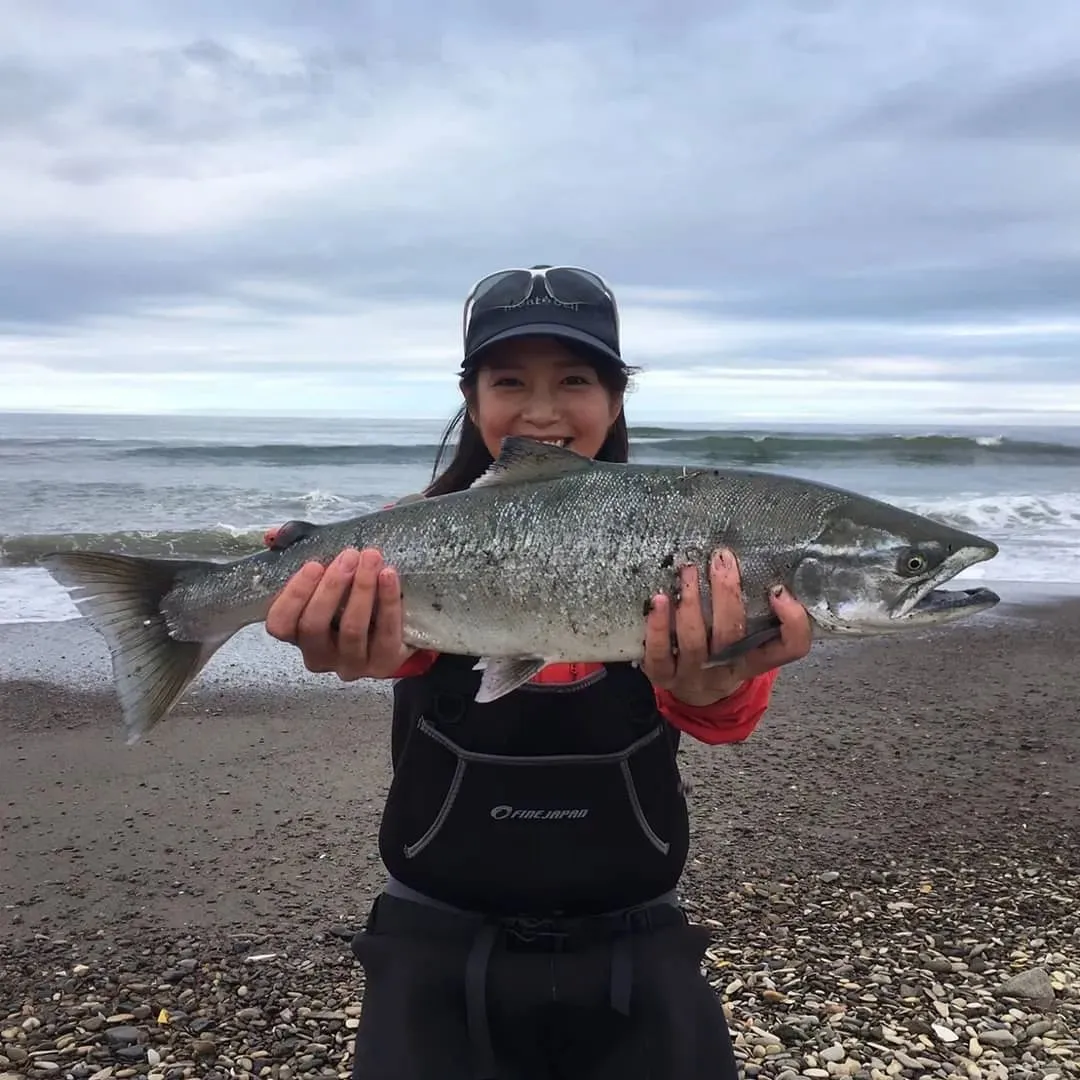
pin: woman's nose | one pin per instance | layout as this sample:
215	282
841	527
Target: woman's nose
541	408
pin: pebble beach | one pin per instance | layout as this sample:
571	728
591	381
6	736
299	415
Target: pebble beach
890	864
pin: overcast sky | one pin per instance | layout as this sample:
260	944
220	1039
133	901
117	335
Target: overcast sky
809	210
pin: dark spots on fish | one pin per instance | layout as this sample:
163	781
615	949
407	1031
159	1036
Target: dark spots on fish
436	606
489	555
668	561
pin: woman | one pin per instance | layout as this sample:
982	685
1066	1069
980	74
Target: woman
530	925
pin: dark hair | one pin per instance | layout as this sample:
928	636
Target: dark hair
471	458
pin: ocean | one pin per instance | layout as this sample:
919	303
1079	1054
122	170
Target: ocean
209	486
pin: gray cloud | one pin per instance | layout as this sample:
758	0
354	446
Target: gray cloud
868	178
1041	106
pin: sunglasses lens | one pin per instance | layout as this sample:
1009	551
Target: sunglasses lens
571	286
505	287
563	294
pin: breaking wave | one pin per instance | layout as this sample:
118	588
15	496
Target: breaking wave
767	448
221	542
1003	514
650	443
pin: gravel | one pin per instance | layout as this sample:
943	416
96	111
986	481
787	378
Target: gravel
969	971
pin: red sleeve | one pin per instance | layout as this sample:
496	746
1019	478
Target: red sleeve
729	720
417	664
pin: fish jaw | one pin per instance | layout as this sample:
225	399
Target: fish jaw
865	616
947	605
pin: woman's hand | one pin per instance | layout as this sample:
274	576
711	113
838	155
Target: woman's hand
680	672
367	642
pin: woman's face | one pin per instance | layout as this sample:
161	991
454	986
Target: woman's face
537	388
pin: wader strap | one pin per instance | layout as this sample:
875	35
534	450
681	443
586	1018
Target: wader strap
476	970
395	915
622	973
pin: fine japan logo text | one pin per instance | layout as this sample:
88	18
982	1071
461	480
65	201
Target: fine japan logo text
504	813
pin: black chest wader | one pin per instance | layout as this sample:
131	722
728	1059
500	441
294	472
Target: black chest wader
547	821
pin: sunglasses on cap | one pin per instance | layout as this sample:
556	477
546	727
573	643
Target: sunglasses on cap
561	301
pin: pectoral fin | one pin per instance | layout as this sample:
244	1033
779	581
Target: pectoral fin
505	674
770	631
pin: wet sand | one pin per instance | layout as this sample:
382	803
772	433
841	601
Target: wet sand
258	802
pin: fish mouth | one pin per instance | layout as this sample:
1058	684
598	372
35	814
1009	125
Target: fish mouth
928	601
941	604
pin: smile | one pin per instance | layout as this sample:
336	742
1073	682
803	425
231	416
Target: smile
550	441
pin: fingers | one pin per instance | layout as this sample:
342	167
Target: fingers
796	636
351	649
314	634
658	663
661	664
289	604
369	637
387	650
690	631
728	610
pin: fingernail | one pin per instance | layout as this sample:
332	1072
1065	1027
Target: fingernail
348	561
720	559
777	590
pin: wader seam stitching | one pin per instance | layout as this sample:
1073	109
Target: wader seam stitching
441	816
538	759
631	790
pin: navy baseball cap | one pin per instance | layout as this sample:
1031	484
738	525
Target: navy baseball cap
559	301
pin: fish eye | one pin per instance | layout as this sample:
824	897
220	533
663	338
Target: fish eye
913	562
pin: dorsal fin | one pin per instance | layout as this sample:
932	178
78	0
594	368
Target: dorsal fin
523	459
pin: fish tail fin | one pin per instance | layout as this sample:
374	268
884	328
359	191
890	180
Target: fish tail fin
120	595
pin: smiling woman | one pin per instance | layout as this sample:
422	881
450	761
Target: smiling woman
548	827
540	384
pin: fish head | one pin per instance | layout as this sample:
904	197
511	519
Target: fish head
876	568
